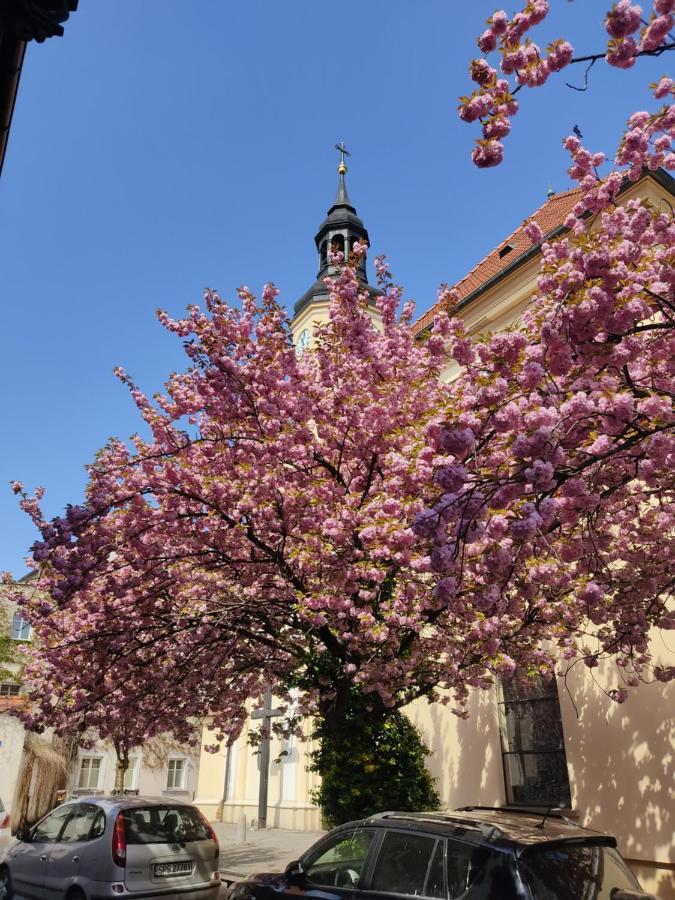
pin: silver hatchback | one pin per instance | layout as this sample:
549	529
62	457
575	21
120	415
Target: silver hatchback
114	847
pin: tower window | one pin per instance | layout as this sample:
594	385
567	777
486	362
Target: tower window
324	253
353	241
533	750
337	243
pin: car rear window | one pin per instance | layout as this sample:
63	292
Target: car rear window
477	872
165	825
567	872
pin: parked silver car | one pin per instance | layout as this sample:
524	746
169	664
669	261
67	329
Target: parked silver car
111	847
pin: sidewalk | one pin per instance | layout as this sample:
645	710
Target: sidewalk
268	850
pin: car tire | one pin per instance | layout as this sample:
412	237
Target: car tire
6	889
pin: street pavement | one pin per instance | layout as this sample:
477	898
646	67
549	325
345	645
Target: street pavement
267	850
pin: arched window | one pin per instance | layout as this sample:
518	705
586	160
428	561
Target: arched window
533	748
324	253
337	243
362	260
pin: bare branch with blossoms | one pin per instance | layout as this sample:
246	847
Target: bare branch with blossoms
493	102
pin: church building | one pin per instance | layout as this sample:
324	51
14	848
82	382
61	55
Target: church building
561	744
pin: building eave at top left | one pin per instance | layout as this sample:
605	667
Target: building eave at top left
22	21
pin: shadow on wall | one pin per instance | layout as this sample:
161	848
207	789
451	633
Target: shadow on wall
620	760
465	756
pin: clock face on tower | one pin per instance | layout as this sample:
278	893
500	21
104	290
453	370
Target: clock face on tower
303	341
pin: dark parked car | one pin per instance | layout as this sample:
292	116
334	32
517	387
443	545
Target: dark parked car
106	847
472	854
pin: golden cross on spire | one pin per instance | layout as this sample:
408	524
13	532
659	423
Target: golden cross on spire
342	168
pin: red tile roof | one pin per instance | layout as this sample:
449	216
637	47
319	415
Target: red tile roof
550	216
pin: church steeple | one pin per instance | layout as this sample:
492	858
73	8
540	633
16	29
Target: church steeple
342	197
339	231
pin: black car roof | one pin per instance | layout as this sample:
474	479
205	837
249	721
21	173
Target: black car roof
511	829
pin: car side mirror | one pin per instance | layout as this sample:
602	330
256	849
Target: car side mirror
23	834
295	872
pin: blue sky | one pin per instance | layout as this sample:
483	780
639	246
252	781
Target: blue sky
154	152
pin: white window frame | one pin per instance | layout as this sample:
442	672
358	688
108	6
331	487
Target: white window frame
10	686
183	773
132	773
99	780
22	624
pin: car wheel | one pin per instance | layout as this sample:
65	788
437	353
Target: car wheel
6	889
75	893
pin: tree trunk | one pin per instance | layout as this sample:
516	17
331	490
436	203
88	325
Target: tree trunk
122	752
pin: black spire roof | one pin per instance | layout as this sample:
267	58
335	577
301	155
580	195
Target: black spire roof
339	231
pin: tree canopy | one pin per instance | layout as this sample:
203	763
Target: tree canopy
340	520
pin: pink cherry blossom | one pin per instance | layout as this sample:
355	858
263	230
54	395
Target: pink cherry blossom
487	153
623	19
524	64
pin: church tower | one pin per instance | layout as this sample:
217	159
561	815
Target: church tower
339	231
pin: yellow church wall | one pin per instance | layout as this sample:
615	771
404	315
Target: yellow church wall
621	763
465	758
212	769
313	314
318	313
289	788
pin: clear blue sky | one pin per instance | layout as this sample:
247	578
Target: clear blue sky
160	147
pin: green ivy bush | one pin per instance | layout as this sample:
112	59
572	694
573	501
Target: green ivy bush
369	761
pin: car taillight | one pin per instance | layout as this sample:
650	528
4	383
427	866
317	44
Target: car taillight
4	821
214	837
215	840
119	842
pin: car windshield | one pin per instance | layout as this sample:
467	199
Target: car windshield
575	872
165	825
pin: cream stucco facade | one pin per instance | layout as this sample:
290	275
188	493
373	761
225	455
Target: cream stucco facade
226	791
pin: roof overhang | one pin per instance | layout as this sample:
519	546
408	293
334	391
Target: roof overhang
22	21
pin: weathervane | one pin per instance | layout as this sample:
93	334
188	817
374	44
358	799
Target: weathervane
342	168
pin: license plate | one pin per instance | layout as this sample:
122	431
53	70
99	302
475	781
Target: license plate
172	868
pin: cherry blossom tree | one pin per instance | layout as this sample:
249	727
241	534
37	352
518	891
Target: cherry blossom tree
259	536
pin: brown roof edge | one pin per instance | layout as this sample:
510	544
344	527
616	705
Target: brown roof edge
22	21
12	52
426	319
